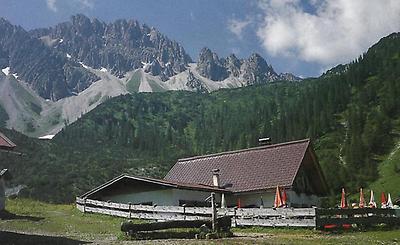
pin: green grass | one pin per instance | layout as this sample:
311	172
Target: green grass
389	169
35	217
155	87
3	116
134	83
43	218
389	172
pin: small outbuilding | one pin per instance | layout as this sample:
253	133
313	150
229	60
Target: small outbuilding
245	178
5	145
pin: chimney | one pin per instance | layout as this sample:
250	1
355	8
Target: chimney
216	177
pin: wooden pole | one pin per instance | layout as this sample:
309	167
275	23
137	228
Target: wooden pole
214	212
130	208
234	216
184	211
84	205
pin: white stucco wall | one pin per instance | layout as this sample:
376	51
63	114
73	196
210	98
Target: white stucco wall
179	194
251	199
159	197
165	197
254	199
171	197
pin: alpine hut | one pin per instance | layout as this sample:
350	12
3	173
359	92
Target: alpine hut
5	145
246	178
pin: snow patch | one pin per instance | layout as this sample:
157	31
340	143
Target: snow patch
69	56
61	40
103	69
146	65
6	70
15	75
84	66
47	137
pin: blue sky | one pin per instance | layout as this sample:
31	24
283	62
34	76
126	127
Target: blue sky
302	37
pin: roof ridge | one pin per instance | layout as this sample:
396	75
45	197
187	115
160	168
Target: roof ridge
6	139
172	182
244	150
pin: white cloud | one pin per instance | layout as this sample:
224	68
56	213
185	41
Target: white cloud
237	26
336	32
51	4
86	3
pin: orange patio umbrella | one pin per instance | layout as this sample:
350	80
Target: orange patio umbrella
284	197
343	203
383	200
239	204
278	199
362	200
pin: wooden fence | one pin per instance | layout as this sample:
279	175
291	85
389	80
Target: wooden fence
281	217
342	218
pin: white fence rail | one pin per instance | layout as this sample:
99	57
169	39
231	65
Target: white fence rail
281	217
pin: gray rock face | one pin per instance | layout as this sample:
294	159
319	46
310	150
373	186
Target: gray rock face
210	66
120	47
233	64
253	70
289	77
195	83
49	72
49	59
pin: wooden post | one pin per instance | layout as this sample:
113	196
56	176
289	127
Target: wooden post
234	216
184	211
130	212
84	205
214	212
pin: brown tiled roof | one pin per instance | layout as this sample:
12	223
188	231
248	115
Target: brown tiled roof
5	142
251	169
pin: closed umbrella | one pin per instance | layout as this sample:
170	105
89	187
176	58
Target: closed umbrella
223	201
383	200
278	199
362	200
343	203
389	203
284	198
372	203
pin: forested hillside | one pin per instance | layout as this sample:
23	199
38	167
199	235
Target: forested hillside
3	117
351	113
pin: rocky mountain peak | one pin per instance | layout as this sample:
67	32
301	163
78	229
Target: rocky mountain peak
120	46
232	63
210	66
255	70
58	61
48	72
